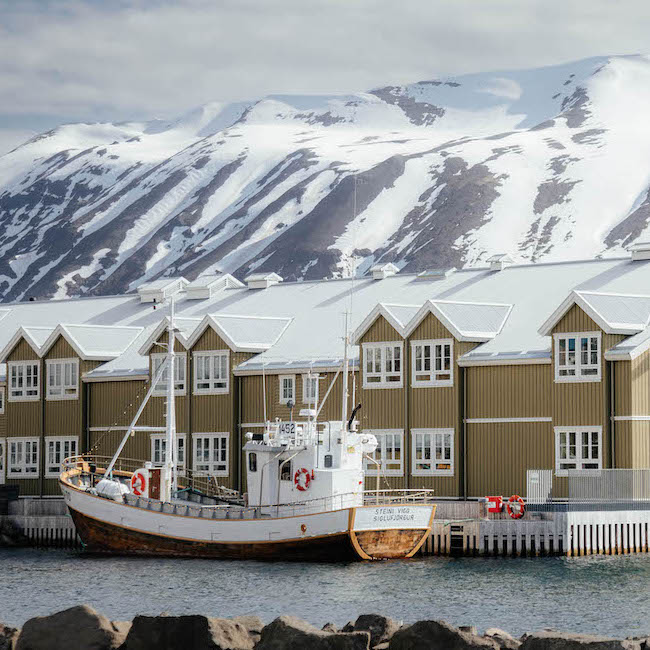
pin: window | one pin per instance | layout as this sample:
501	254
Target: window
388	453
23	381
57	449
577	448
211	452
211	372
285	470
310	389
159	449
62	379
431	363
287	388
23	457
382	365
252	461
433	452
2	400
179	374
577	357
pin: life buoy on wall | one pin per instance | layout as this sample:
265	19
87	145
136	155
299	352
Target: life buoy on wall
516	506
140	483
302	479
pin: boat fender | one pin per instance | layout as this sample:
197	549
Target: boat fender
302	479
140	483
516	506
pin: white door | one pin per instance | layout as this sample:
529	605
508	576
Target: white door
3	445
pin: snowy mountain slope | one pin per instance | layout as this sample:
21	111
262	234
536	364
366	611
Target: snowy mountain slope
545	164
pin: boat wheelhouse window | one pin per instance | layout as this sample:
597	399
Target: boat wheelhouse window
328	460
22	457
433	452
577	448
431	363
577	357
211	372
62	379
382	366
211	453
285	472
388	454
252	461
23	381
287	388
179	374
159	449
57	449
310	389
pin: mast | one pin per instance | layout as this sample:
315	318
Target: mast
344	391
170	486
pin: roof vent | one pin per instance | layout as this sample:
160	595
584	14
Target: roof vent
640	251
499	261
381	271
262	280
433	274
161	289
206	286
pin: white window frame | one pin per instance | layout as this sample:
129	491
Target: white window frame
196	461
3	460
381	435
579	458
579	366
160	440
284	397
214	388
51	393
433	373
23	397
306	399
23	474
180	368
62	440
2	400
382	375
434	436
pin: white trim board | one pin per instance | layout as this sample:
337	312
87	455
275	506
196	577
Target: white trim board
505	420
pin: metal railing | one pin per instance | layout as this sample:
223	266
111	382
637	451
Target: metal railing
609	489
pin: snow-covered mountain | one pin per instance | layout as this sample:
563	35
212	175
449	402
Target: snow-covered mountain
544	164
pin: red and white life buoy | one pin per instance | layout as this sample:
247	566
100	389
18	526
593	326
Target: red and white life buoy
302	479
516	506
140	483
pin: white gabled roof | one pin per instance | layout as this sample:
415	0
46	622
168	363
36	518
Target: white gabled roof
615	313
184	326
94	342
34	335
397	315
630	348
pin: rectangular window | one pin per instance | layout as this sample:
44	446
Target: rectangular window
287	388
431	363
577	448
211	372
57	449
23	381
382	366
211	453
22	457
433	452
159	449
577	357
388	453
62	379
180	362
310	389
2	401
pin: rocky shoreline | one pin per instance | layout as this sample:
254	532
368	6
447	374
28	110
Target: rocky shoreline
82	628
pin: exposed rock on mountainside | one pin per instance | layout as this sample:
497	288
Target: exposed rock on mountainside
544	164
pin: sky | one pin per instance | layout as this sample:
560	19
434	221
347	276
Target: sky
110	60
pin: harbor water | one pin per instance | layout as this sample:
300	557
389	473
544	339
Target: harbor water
607	595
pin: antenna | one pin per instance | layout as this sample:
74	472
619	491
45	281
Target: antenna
170	483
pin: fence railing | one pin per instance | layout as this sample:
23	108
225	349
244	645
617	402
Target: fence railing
609	489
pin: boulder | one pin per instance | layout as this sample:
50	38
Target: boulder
186	632
472	629
289	633
8	636
253	624
381	628
330	627
77	627
438	635
553	640
505	640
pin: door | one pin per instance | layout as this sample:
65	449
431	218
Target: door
3	445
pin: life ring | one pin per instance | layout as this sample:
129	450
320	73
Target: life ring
302	479
519	506
139	483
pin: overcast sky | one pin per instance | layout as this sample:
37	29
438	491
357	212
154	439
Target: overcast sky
96	60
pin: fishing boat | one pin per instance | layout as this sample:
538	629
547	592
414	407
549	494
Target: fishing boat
305	497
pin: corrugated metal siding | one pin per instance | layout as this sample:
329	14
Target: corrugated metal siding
640	384
625	389
61	350
23	351
381	330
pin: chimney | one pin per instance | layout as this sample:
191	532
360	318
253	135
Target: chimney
499	261
382	271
